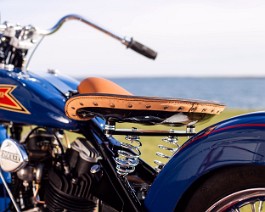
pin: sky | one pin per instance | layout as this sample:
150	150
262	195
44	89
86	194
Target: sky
192	38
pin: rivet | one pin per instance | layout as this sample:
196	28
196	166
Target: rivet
95	103
73	108
81	104
130	105
203	110
83	115
166	107
212	111
193	109
180	108
147	106
112	105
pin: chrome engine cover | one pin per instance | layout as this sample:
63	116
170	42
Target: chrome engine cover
13	156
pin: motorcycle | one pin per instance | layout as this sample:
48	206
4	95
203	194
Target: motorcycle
221	168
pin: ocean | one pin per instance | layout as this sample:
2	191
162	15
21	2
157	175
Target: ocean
241	93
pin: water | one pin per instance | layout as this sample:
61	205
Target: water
245	93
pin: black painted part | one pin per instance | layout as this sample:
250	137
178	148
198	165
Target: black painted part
145	171
103	207
146	117
20	192
5	48
123	198
37	143
15	132
18	57
10	55
62	194
142	49
77	164
219	184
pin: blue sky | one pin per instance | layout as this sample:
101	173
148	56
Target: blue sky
193	38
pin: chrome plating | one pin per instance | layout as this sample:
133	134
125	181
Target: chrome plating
170	140
109	126
26	173
59	24
239	199
9	67
13	156
190	129
128	158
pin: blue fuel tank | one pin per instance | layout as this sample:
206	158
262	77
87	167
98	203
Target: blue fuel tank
34	99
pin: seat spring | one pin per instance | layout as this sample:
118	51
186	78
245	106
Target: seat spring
128	157
170	140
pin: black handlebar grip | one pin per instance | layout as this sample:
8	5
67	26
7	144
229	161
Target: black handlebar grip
142	49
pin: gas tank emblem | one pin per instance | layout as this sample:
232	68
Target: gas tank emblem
8	101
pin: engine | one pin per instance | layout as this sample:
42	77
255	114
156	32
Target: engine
45	177
72	191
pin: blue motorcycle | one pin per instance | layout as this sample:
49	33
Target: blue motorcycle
221	168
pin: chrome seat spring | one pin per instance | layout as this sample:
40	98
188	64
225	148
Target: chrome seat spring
171	140
128	157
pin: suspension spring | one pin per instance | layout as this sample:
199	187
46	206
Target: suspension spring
170	140
128	156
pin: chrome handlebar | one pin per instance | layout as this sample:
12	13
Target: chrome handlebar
71	17
129	43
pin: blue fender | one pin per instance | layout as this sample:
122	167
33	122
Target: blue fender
236	141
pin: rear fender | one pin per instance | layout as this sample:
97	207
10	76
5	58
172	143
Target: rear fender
236	141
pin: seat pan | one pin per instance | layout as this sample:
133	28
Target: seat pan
104	98
137	109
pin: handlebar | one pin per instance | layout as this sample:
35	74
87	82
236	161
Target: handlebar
10	30
134	45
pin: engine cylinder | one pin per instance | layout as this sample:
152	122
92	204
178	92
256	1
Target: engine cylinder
66	194
73	191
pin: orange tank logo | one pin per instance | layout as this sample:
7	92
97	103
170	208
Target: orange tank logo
8	101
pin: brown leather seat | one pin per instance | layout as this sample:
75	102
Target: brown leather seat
101	97
100	85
